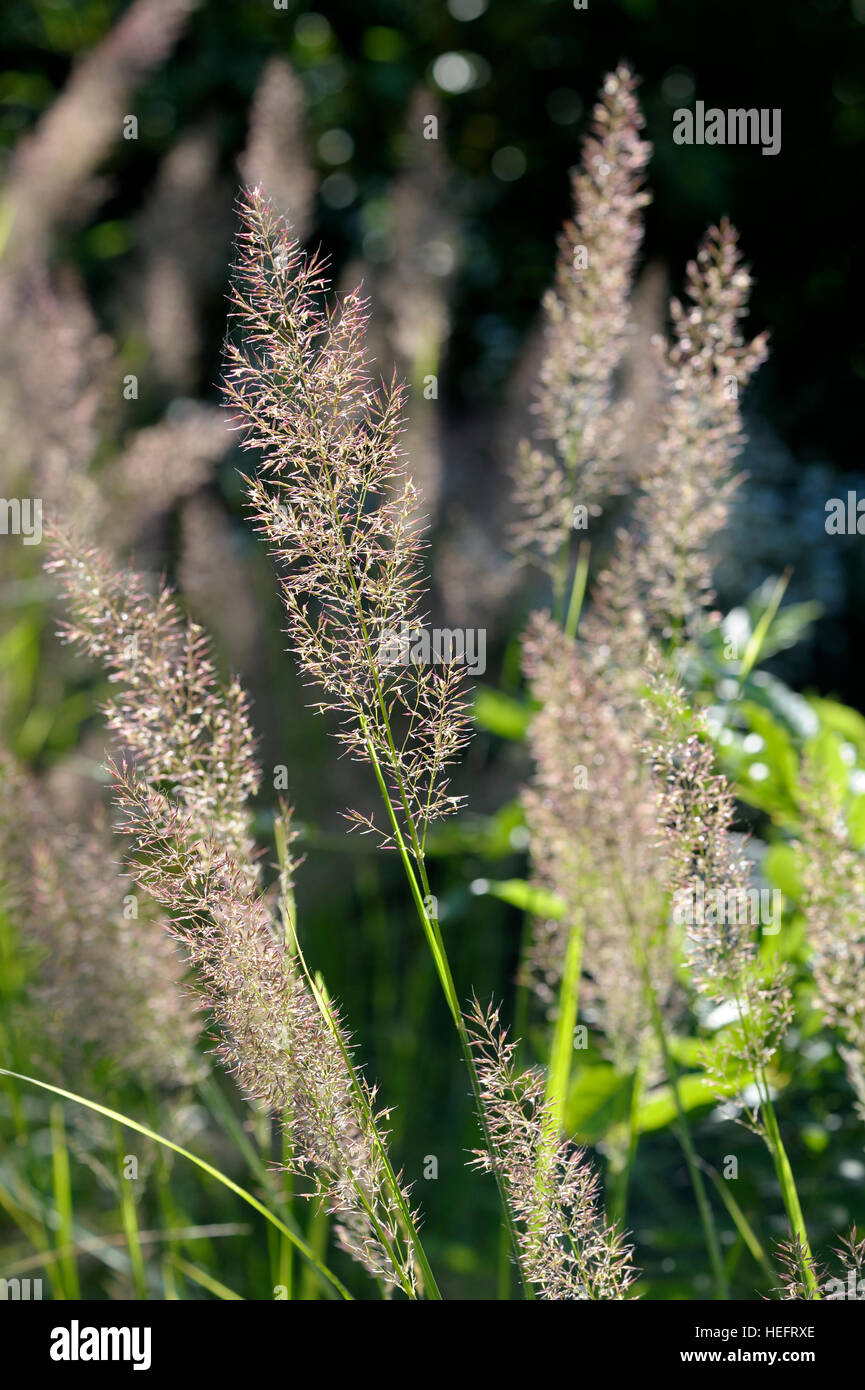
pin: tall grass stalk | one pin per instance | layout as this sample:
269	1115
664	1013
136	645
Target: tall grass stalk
62	1185
129	1215
620	1178
326	1011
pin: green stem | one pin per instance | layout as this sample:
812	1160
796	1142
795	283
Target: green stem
63	1201
789	1193
286	1254
439	953
622	1179
129	1217
562	1047
578	590
317	1236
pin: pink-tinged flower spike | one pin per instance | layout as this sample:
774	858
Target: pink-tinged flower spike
842	1280
275	158
708	877
687	497
286	1049
581	426
568	1250
186	732
659	582
591	816
334	501
52	174
184	808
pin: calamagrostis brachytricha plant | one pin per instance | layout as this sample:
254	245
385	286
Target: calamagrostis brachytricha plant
700	849
591	820
686	496
334	501
586	335
659	580
185	732
278	1036
842	1280
184	804
652	590
568	1250
50	441
339	513
52	175
275	157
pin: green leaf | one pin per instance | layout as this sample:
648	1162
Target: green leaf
781	864
775	789
501	714
825	751
695	1090
597	1099
841	719
519	893
207	1281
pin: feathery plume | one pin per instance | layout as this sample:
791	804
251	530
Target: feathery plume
182	233
52	439
842	1280
183	805
285	1050
590	814
413	286
705	863
567	1248
687	495
339	513
184	731
51	175
274	158
49	437
159	465
659	580
587	332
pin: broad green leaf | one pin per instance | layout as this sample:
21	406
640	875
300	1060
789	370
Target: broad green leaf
598	1098
841	719
824	749
781	864
695	1090
501	714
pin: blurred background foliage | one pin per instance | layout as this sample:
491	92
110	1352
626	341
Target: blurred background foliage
455	242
